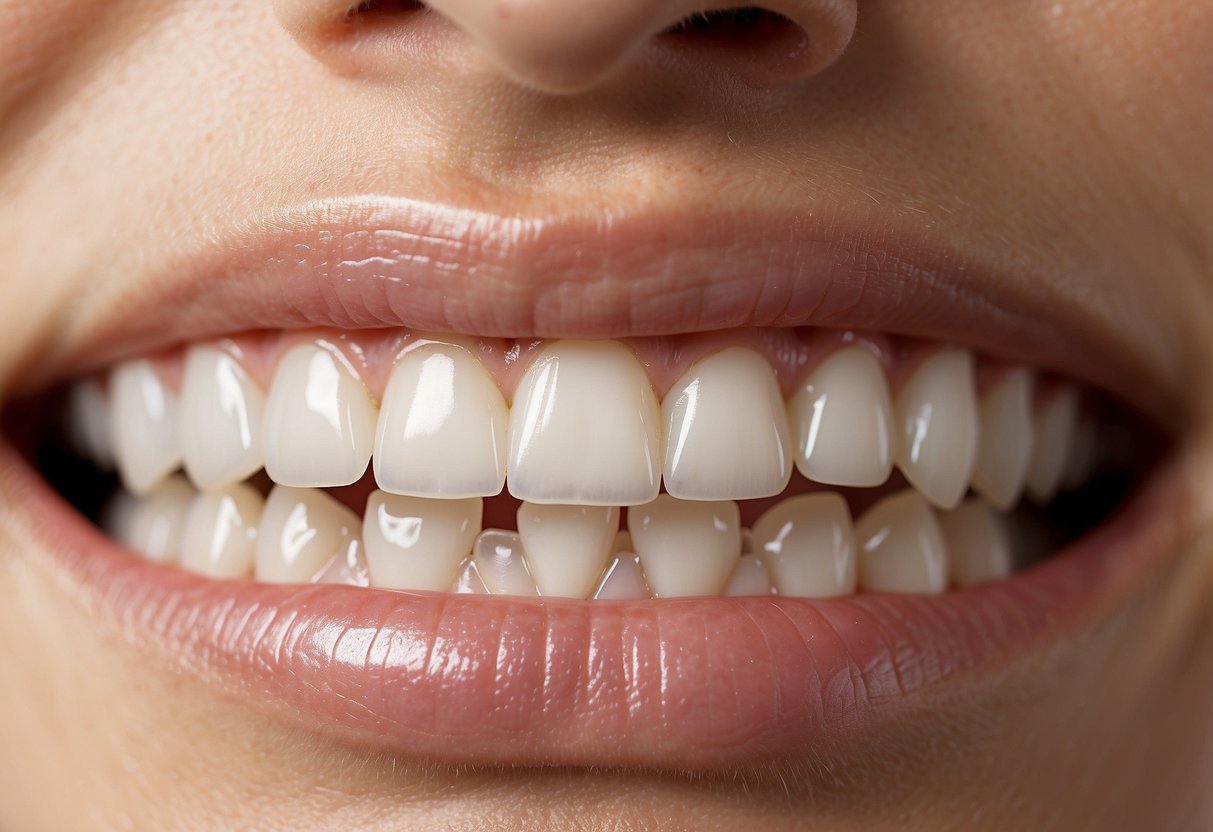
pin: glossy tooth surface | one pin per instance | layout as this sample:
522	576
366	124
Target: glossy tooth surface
750	578
687	547
221	413
418	543
158	521
442	426
623	580
842	420
726	430
567	547
501	563
89	422
301	530
1054	425
220	538
901	547
808	545
347	567
1005	446
978	543
319	424
469	581
585	428
146	435
936	412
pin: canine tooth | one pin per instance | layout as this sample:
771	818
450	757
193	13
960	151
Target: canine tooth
567	547
623	580
978	543
157	524
146	436
726	430
319	421
585	428
843	421
901	548
749	578
221	413
469	581
301	530
937	414
442	427
89	422
1054	430
1005	446
416	542
501	561
687	547
808	545
220	538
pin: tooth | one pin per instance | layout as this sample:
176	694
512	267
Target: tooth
118	517
146	439
1054	431
747	542
501	562
808	545
1006	439
158	521
319	421
726	430
442	427
622	543
937	414
749	578
220	538
585	428
89	422
221	412
301	530
843	421
901	548
1083	455
469	581
418	543
687	547
623	580
978	544
347	567
567	547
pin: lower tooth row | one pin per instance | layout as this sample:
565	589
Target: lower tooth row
804	546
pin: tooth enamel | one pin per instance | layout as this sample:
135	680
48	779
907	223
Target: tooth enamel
158	521
1054	432
1005	446
687	547
221	413
808	545
979	547
501	562
118	517
623	580
220	537
585	428
567	547
146	439
319	421
301	530
347	567
418	543
442	427
726	430
469	581
749	578
843	422
901	548
89	422
937	414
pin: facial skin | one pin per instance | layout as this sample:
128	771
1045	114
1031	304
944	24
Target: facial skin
1066	145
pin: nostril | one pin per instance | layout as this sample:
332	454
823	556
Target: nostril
731	24
765	45
375	8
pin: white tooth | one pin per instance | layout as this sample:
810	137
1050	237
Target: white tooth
901	548
347	567
89	422
118	517
158	522
567	547
623	580
843	421
220	538
687	547
469	581
808	545
622	543
585	428
1083	455
221	413
1006	439
319	420
301	530
1054	430
749	578
726	430
442	427
146	438
501	562
937	415
978	543
418	543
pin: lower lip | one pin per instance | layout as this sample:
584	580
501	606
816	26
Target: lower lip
687	684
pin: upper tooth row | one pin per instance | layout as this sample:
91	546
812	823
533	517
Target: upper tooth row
585	426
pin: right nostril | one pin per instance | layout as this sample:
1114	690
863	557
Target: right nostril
376	8
766	43
731	24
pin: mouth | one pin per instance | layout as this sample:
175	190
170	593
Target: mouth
485	491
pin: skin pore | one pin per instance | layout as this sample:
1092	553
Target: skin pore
1063	146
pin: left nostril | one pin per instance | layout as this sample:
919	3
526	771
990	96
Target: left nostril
376	8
